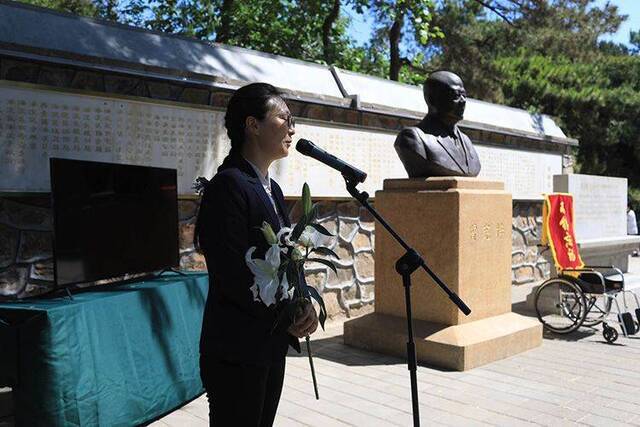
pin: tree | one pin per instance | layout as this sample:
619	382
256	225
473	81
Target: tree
402	21
634	40
226	18
469	47
413	26
77	7
474	38
596	102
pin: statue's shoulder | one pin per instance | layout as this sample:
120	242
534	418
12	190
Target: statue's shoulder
407	138
413	133
408	132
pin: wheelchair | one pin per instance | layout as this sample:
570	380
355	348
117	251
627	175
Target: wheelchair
585	297
580	295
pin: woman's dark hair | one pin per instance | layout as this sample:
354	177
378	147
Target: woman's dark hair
254	100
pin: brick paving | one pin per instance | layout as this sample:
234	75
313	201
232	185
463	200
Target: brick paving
577	379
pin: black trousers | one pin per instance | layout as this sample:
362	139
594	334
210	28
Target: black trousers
241	395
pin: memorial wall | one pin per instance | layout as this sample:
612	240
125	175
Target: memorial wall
599	204
36	124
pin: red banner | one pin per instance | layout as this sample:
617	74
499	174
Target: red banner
558	231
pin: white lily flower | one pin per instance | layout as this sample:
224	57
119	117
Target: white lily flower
310	238
286	294
265	275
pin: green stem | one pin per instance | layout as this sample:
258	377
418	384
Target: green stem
313	371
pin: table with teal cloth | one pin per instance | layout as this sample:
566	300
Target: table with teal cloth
114	356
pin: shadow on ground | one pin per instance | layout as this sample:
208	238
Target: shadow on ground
333	349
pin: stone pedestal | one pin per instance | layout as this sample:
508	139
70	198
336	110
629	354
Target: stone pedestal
462	228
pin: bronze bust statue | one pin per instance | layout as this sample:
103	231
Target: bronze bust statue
436	146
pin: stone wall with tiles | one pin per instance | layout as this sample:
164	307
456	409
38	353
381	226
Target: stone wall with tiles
26	256
350	291
527	264
26	250
26	246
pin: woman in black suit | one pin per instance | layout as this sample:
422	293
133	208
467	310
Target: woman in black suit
242	356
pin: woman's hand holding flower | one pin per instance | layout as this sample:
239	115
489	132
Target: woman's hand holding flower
306	323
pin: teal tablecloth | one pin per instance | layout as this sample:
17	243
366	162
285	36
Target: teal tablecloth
116	356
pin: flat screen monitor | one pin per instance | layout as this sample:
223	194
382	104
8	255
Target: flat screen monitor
111	220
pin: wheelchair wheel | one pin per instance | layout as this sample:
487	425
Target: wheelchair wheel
598	308
560	306
610	334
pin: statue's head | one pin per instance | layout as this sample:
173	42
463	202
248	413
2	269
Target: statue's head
445	96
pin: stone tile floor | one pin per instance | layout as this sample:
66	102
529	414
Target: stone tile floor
577	379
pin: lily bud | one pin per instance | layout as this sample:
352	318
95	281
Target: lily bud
268	233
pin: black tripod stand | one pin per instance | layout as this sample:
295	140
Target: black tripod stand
405	266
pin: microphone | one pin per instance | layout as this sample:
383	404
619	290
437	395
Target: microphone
308	148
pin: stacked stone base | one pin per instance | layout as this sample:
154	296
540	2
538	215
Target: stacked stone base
458	347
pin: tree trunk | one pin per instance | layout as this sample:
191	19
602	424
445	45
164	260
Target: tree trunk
223	35
327	25
395	34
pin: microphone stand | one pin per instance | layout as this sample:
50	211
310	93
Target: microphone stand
405	266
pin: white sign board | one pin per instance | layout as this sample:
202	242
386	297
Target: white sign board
38	124
600	204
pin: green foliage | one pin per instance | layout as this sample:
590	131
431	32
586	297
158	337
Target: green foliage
634	200
77	7
634	40
475	39
286	28
195	18
597	102
408	21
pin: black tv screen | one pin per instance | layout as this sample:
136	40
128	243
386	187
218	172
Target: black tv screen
112	219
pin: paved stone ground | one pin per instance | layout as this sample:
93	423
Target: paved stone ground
576	379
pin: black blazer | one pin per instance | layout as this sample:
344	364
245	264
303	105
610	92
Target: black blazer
235	327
